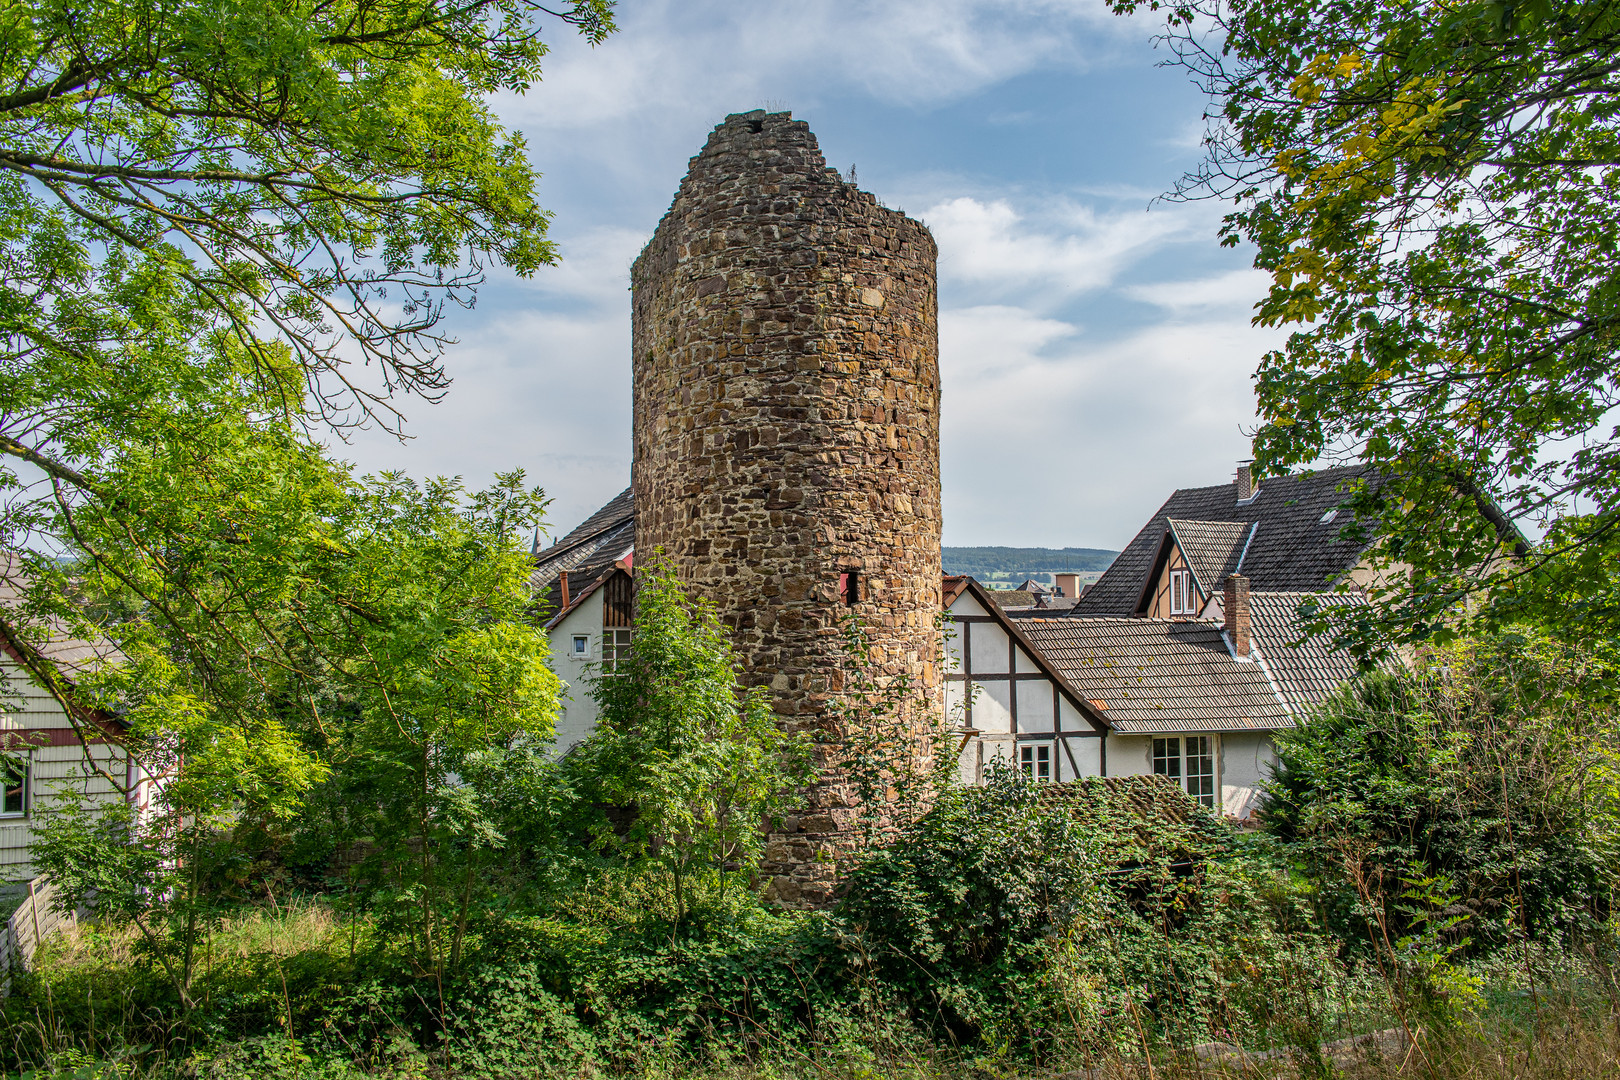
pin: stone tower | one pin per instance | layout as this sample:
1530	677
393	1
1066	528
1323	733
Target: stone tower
786	370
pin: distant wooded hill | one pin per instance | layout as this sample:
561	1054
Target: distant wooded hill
1014	560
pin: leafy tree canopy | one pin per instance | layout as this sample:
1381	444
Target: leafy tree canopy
225	228
1435	190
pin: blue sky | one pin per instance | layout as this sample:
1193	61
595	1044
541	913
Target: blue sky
1095	345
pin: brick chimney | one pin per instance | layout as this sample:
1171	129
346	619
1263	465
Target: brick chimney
1245	481
1236	606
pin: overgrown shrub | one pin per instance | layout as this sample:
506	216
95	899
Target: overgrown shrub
1479	787
1060	924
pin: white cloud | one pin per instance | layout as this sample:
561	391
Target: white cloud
548	393
1235	290
1095	350
1068	441
703	58
1063	248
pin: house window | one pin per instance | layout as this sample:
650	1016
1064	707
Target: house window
1182	594
582	646
1190	762
1036	761
14	775
615	651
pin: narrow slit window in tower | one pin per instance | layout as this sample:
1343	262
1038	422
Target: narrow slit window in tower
849	588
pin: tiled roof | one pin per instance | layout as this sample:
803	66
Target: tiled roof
1305	671
1149	809
1148	675
1292	548
1212	548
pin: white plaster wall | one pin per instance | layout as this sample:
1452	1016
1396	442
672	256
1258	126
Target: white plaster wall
1087	756
1246	760
1034	704
991	712
577	718
989	650
1130	755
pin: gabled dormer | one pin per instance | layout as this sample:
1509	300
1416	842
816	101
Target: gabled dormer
1193	559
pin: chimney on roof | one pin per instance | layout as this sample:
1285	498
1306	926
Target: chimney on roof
1235	604
1245	480
1067	584
563	578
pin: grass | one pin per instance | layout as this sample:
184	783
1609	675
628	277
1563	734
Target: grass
297	927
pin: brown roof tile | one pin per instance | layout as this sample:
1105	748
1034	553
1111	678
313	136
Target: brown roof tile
1305	670
1150	675
1212	549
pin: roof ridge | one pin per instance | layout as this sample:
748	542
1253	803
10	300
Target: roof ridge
552	553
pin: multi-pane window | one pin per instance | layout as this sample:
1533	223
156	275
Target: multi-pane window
1036	761
1200	770
615	650
1190	762
14	776
1182	594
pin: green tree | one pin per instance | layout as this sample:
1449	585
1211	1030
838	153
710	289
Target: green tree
227	224
385	660
698	766
1487	768
229	229
1433	189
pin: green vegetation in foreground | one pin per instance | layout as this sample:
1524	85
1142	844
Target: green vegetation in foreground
1438	859
983	562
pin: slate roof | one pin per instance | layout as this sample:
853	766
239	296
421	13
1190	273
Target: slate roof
1159	675
1213	549
588	552
1305	672
620	508
1292	549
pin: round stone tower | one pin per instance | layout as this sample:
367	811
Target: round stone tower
786	370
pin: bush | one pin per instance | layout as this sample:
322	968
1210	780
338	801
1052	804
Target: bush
1056	921
1477	788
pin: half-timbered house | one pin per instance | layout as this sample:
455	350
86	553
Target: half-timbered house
1181	661
48	755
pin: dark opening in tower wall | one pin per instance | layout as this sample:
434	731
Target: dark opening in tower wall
849	588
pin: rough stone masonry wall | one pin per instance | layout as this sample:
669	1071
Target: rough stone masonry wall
786	369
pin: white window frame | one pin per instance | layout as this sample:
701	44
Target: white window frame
1181	593
1038	761
581	646
26	762
615	644
1193	762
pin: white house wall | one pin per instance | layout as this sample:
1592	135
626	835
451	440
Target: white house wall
992	651
1246	761
577	718
1243	760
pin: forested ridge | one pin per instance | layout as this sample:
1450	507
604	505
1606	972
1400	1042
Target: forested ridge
1024	560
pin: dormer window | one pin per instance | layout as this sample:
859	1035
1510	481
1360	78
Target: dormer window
1183	597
